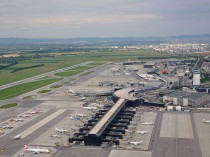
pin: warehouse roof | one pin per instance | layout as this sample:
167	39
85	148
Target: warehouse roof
188	95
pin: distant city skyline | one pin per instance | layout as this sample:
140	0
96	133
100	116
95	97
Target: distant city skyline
93	18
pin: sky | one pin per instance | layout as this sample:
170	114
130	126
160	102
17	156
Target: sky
103	18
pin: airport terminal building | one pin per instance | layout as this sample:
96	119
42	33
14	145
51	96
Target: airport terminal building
187	99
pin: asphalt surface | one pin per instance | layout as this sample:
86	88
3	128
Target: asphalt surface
175	147
83	152
12	146
174	141
22	107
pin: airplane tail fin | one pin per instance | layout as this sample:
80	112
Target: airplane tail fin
26	147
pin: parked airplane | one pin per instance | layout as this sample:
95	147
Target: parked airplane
25	116
35	112
61	130
128	131
142	132
83	98
17	119
81	115
136	142
55	135
71	91
206	121
75	118
6	126
90	108
36	150
147	123
17	137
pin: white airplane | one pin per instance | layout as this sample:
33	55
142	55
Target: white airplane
17	119
136	142
81	115
128	131
206	121
6	126
36	150
25	116
71	91
90	108
61	130
83	98
35	112
55	135
142	132
147	123
17	137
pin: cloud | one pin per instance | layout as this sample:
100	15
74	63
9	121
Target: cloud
91	19
90	16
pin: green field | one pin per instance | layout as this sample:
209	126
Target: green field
56	86
74	71
28	97
8	105
87	73
24	88
54	63
44	91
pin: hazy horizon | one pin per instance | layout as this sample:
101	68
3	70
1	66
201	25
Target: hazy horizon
119	18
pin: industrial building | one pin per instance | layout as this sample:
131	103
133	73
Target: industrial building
187	99
196	77
149	65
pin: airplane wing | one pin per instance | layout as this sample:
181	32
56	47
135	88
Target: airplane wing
36	152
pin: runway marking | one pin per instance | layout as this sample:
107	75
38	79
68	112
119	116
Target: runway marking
181	128
41	123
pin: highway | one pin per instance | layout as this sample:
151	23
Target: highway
42	75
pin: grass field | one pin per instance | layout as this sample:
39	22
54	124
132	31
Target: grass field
87	73
56	86
74	71
8	105
54	63
28	97
44	91
24	88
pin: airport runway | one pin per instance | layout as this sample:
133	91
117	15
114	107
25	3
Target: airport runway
42	75
174	146
12	146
